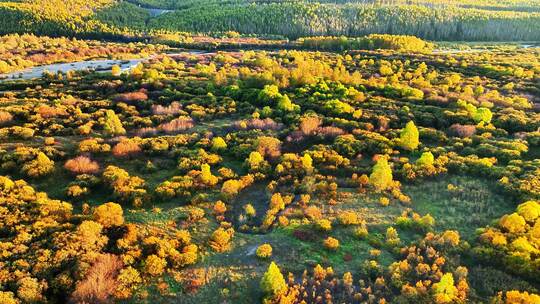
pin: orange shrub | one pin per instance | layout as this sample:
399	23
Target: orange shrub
5	117
221	238
313	212
100	282
176	125
309	124
82	165
348	218
125	148
220	208
132	97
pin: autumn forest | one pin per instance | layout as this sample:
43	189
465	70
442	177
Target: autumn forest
276	152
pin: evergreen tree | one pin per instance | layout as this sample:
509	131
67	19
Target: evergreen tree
218	143
409	137
426	159
381	176
272	282
113	125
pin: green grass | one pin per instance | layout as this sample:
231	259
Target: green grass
233	277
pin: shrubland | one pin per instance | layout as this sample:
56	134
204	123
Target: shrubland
197	175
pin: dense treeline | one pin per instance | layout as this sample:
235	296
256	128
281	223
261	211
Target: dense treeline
371	42
124	15
512	5
297	19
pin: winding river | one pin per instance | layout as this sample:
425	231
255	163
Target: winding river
99	65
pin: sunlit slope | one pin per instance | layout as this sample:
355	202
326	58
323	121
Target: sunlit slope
53	17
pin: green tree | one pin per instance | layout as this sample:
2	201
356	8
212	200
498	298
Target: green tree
483	115
426	159
272	282
113	125
409	137
285	104
381	176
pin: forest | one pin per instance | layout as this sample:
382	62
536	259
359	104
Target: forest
486	20
270	151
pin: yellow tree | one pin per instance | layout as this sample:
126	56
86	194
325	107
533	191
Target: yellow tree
381	176
109	214
272	283
409	137
113	125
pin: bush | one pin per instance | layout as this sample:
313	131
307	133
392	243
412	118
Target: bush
132	97
324	225
112	124
177	125
218	144
29	290
100	283
221	239
126	148
268	146
462	131
7	297
331	243
126	280
39	167
264	251
409	137
109	215
348	218
173	109
5	117
154	265
82	165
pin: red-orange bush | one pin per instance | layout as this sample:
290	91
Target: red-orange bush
100	282
5	117
82	165
176	125
132	97
462	130
125	148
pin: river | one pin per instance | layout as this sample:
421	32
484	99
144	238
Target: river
103	65
98	65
